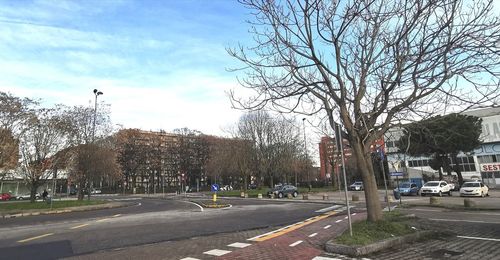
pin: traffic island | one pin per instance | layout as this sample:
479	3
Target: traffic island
361	250
394	230
214	205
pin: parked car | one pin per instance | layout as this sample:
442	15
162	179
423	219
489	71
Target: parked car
27	196
435	188
474	188
6	196
281	191
358	185
407	188
95	191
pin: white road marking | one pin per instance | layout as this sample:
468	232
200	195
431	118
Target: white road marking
338	221
117	215
461	220
79	226
33	238
481	238
327	226
189	258
239	245
346	217
325	258
328	209
353	214
217	252
201	208
313	234
101	220
296	243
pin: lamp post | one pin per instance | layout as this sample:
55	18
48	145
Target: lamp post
96	93
307	156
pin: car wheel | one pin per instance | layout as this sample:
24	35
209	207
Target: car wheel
280	195
20	198
295	194
422	194
449	193
440	194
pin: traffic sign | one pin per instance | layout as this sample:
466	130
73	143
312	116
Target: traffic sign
396	174
215	187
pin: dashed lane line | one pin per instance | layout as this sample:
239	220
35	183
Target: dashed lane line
313	234
37	237
480	238
104	219
338	221
296	243
327	226
79	226
190	258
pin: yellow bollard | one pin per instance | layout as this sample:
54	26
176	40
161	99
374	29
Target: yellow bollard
214	198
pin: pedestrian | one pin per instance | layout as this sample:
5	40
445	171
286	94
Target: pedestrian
45	194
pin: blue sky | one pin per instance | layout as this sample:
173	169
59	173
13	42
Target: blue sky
160	64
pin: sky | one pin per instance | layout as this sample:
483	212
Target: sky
160	64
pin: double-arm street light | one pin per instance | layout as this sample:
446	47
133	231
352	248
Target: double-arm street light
96	93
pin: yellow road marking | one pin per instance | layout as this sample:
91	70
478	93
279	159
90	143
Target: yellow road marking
79	226
33	238
292	228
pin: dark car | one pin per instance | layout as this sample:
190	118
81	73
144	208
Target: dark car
283	190
408	188
6	196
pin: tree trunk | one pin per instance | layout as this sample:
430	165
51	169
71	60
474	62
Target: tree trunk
374	210
33	188
456	168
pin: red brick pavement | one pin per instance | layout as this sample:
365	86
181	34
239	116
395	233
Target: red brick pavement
279	247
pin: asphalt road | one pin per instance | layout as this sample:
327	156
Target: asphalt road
148	221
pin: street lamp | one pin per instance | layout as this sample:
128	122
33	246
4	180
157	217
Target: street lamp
96	93
307	156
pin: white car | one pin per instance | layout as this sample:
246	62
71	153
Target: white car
358	185
474	188
435	188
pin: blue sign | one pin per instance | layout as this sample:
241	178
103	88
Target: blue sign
396	174
215	187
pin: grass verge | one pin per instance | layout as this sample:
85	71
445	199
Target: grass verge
393	225
16	206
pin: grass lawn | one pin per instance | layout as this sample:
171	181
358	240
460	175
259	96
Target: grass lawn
393	225
43	205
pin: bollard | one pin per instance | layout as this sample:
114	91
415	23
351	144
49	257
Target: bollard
242	194
433	201
305	196
259	196
325	197
468	203
355	197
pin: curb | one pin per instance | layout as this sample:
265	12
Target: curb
332	247
60	211
457	207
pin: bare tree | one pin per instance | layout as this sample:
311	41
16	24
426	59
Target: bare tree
14	112
41	139
276	142
371	63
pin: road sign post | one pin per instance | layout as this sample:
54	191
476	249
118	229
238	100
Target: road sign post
214	188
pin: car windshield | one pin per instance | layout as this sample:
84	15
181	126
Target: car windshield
404	185
432	184
471	184
357	183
